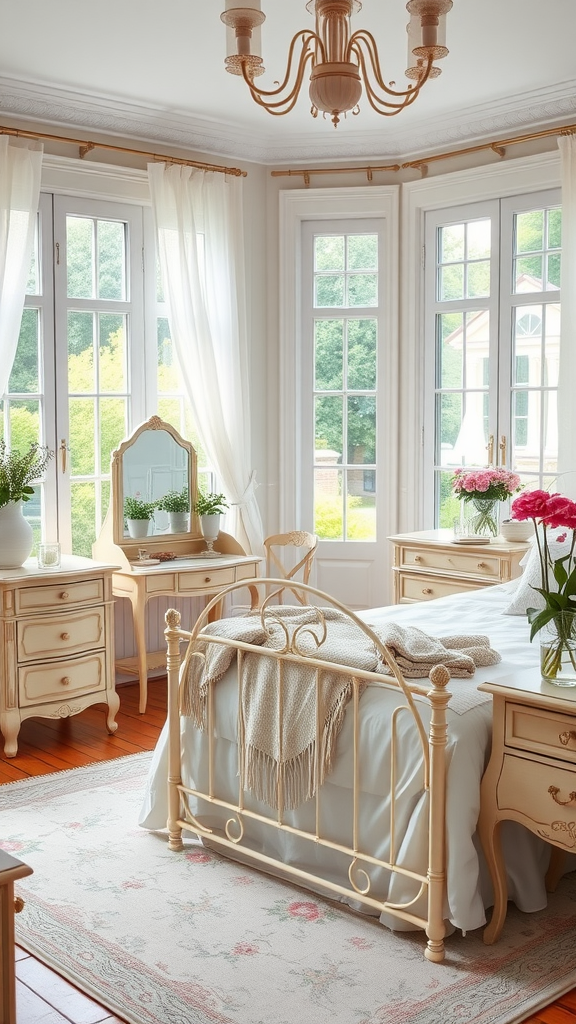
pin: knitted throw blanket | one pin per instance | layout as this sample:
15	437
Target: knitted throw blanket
280	762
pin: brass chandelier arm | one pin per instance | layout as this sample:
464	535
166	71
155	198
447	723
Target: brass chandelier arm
261	95
386	107
363	40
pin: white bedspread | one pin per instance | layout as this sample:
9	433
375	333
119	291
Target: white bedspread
469	722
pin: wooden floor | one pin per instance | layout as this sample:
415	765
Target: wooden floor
50	746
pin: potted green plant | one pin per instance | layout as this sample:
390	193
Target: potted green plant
177	505
17	472
138	515
209	508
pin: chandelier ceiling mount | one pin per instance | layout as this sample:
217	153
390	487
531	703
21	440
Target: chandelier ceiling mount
342	63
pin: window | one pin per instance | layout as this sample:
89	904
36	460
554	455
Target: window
493	330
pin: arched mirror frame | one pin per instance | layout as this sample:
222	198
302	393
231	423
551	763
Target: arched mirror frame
157	542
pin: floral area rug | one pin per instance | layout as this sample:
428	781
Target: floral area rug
190	938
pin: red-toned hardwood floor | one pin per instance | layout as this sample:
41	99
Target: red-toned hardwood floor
50	746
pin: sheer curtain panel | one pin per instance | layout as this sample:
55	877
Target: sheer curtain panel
567	372
200	234
20	169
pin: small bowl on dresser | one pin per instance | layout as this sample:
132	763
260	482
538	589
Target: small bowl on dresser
516	530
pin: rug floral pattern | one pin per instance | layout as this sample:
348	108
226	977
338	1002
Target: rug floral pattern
191	938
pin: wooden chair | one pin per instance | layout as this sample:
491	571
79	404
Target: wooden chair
275	566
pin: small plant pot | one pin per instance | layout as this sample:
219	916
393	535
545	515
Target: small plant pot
179	522
138	528
210	526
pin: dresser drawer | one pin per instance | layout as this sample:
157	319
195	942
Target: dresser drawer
543	793
426	588
468	563
544	732
41	684
53	635
245	572
29	599
205	579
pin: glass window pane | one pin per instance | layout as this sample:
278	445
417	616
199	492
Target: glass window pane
448	433
530	231
111	260
328	507
83	506
362	290
478	279
24	424
520	418
328	355
81	371
83	425
33	283
329	252
451	283
328	434
25	376
329	290
451	243
553	264
528	274
447	503
360	507
361	430
450	350
362	347
554	229
478	233
80	257
32	511
362	252
113	428
112	352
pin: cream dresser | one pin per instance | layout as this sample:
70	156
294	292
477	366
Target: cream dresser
430	564
57	632
531	776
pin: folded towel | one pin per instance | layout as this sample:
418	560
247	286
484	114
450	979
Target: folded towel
416	653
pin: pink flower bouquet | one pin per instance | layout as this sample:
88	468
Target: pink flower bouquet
488	484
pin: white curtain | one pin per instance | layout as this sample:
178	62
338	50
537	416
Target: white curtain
199	224
567	372
20	169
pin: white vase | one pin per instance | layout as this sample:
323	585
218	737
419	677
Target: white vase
16	536
210	526
138	527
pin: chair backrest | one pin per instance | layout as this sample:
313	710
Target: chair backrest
298	539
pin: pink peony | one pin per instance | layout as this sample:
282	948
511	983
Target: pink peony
530	505
560	511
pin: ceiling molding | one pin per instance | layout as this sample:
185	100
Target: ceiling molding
404	140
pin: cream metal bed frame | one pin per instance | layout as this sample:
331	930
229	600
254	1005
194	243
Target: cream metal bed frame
433	746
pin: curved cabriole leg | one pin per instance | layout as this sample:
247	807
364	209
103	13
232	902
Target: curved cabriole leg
113	706
490	838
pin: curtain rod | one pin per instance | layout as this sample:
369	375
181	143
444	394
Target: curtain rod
87	147
498	147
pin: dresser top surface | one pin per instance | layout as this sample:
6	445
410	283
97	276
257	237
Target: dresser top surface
71	564
445	538
529	686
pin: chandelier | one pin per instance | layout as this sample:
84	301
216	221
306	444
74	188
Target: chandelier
341	60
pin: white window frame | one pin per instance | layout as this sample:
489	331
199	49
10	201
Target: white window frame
513	177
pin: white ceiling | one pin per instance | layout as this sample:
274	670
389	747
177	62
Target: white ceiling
155	71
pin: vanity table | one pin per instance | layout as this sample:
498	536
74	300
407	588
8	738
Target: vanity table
57	643
151	463
11	870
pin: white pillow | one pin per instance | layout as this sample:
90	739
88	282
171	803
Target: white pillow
525	596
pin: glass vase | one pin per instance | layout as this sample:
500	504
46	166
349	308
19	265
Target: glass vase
558	649
479	517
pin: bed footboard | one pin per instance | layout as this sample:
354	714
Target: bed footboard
336	765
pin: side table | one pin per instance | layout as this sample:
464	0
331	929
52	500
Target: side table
531	775
10	871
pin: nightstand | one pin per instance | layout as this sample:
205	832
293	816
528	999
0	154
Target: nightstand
429	564
531	776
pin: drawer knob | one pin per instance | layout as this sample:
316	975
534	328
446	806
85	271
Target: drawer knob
18	904
553	790
64	595
482	565
65	680
417	558
65	636
427	590
207	579
565	737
